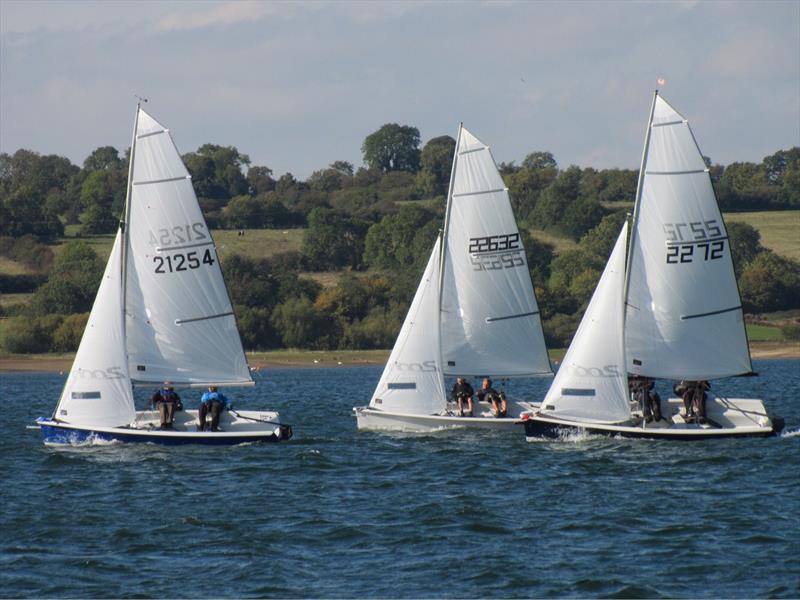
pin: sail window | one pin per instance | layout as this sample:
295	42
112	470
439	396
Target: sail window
578	392
403	386
86	395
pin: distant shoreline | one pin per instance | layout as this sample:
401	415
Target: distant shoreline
55	363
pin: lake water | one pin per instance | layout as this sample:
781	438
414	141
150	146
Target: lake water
337	513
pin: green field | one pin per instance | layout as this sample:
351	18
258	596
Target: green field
257	243
561	244
9	299
763	333
780	230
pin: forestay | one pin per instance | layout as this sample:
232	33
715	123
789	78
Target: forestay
180	322
591	384
412	380
98	392
490	323
684	317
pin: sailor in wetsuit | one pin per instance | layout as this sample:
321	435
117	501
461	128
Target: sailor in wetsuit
493	397
212	402
167	401
694	399
463	392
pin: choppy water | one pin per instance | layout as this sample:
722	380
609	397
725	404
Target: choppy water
336	513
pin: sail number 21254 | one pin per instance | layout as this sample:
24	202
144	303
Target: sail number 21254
173	263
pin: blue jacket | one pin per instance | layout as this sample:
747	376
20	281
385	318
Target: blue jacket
209	396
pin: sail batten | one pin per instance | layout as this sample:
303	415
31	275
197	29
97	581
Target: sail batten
155	181
144	135
480	192
694	172
710	314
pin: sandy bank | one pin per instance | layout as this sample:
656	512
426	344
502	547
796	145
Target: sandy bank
53	363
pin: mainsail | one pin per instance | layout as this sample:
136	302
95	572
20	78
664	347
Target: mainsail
412	380
591	384
490	322
180	322
98	392
684	315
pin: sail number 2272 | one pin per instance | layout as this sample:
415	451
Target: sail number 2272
698	240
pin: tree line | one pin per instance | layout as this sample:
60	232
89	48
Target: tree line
376	224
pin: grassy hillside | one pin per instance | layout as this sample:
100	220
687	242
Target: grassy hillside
780	230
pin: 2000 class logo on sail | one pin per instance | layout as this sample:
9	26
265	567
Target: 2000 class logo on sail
493	252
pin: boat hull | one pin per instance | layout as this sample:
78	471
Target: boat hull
370	419
245	427
726	418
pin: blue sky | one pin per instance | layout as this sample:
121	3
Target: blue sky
297	86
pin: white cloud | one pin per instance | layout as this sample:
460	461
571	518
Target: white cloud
227	13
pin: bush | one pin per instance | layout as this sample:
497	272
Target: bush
67	337
377	330
791	332
31	336
255	328
559	330
28	251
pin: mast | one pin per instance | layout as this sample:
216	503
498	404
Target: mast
125	223
636	204
447	216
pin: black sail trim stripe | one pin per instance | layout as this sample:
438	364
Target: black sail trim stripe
182	177
181	321
710	314
479	193
528	314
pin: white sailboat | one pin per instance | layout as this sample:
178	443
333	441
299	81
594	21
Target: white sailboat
670	311
162	313
473	315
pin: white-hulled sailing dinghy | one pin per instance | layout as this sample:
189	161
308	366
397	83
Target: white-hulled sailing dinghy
474	313
671	311
162	313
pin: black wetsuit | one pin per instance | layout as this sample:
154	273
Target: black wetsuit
462	391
